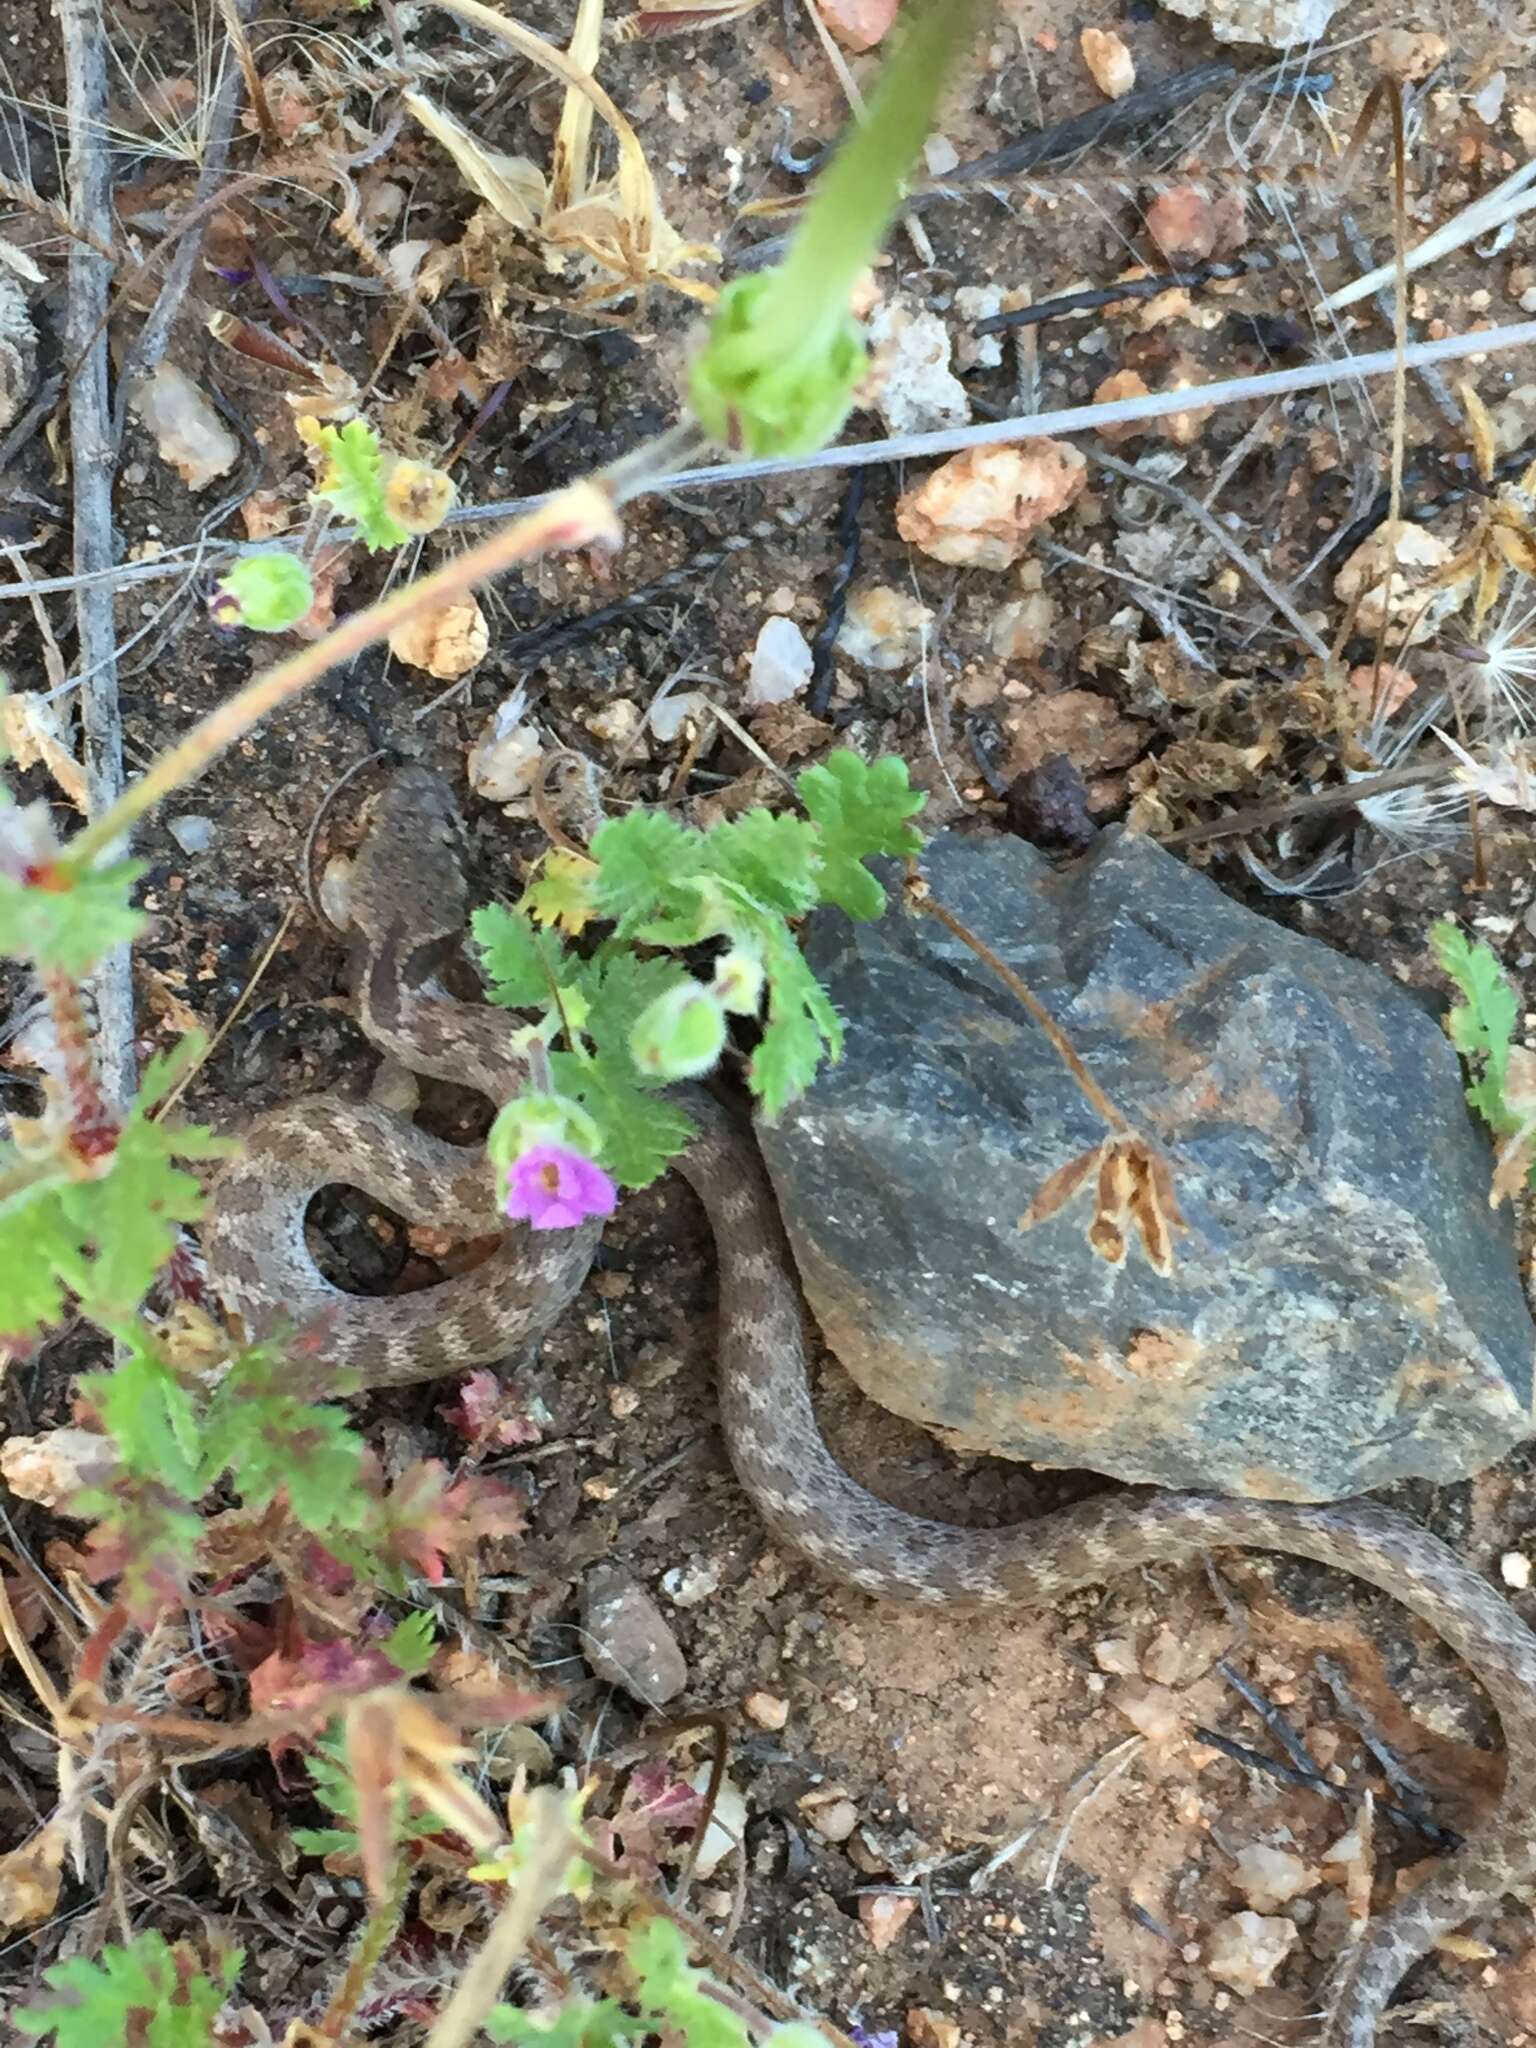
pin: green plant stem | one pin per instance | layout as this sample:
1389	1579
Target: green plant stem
575	518
857	196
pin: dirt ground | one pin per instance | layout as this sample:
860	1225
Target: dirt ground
947	1739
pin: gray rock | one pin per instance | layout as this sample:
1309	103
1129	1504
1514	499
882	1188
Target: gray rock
1282	24
1345	1310
627	1641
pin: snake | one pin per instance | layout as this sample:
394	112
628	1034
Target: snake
408	904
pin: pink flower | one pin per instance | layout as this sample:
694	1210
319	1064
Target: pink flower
550	1187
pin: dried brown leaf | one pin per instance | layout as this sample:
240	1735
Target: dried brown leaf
1057	1190
30	1878
32	730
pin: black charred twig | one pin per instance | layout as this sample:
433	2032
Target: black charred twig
1340	1795
93	457
1397	1774
823	646
1109	123
1111	294
1272	1718
557	636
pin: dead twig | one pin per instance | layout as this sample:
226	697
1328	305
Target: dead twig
540	1881
1230	546
93	457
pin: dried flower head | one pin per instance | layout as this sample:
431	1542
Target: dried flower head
1133	1189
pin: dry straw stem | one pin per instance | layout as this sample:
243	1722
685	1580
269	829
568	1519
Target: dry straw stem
539	1883
1077	419
582	516
921	898
1506	202
625	233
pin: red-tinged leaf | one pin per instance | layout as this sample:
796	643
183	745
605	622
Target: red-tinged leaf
307	1685
486	1415
658	1813
431	1521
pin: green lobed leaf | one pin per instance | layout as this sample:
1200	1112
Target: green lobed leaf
132	1213
1482	1028
147	1993
802	1027
645	860
862	808
618	987
72	926
771	857
153	1424
352	478
411	1645
523	965
643	1132
36	1244
104	1239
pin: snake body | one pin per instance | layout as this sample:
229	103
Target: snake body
408	906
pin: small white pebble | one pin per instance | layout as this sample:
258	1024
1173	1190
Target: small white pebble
688	1585
835	1823
191	833
763	1710
781	662
1515	1570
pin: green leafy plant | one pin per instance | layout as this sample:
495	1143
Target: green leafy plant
1501	1084
384	496
1482	1025
334	1787
614	1027
150	1993
669	1998
95	1218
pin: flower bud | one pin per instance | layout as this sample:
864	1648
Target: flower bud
267	593
680	1035
533	1119
738	984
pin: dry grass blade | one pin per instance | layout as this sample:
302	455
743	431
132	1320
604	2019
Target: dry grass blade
1506	202
513	185
619	224
570	163
394	1740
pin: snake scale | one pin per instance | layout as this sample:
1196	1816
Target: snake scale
408	907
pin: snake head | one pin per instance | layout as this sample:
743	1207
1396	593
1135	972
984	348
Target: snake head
408	892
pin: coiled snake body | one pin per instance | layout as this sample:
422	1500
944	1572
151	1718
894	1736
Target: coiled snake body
408	908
